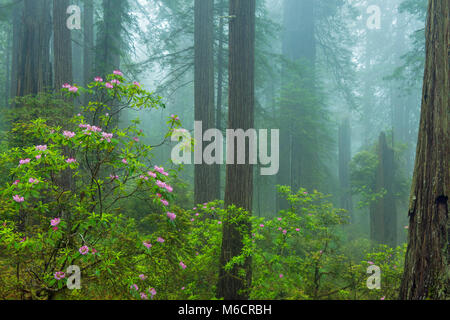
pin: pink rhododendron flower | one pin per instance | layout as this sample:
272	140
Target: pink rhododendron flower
160	184
182	265
370	262
118	72
24	161
144	296
382	298
135	287
279	219
55	222
164	202
124	161
284	231
297	229
84	250
109	85
136	83
73	89
18	198
71	160
16	182
160	240
93	251
38	157
151	174
261	226
107	136
59	275
98	79
152	292
115	81
172	216
280	228
114	177
33	181
142	177
197	214
281	275
66	86
143	277
136	139
192	220
68	134
219	222
147	244
41	148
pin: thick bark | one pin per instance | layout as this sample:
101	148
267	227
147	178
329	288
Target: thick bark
344	162
33	62
427	271
62	45
205	185
239	178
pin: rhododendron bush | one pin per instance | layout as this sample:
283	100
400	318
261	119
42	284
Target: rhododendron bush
69	198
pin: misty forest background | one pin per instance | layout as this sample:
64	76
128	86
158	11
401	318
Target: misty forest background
77	170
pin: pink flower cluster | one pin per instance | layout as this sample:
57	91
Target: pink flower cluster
84	250
164	185
161	170
68	134
41	148
106	136
172	216
71	88
59	275
18	198
33	181
24	161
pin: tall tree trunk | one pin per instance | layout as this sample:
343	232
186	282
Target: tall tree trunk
77	53
17	34
344	163
384	215
205	185
62	45
8	67
88	40
110	44
427	270
239	178
34	69
220	77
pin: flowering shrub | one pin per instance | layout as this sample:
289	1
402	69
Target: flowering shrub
63	203
71	197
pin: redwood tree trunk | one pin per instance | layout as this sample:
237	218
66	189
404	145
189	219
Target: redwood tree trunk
88	41
62	45
205	184
344	162
33	61
427	271
239	178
